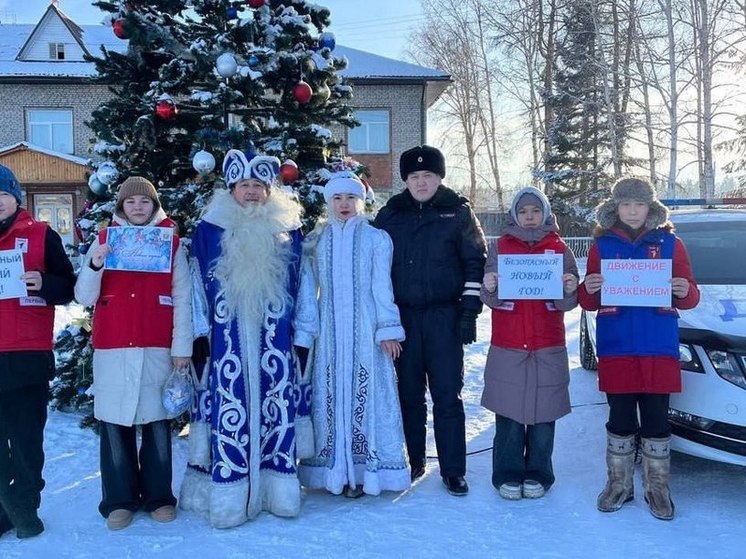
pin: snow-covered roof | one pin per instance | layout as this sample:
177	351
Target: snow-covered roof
13	38
366	65
38	149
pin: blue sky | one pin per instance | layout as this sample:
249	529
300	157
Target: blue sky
378	26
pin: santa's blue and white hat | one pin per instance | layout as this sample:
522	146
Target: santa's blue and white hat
237	166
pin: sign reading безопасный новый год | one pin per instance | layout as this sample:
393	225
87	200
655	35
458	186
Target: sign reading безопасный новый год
636	283
11	270
530	276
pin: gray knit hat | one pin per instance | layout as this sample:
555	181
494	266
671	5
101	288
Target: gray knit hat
632	189
134	186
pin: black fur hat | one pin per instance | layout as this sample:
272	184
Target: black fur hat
632	188
422	158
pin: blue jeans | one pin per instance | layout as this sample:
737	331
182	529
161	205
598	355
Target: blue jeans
521	452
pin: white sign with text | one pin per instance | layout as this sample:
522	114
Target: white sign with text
636	283
530	276
11	270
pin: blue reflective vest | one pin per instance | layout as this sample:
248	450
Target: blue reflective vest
637	331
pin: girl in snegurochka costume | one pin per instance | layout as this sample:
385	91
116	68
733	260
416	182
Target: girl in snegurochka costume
346	312
637	347
142	330
526	376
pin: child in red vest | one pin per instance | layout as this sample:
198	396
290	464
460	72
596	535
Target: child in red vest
26	358
142	330
526	377
637	372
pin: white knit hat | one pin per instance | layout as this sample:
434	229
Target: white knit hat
346	183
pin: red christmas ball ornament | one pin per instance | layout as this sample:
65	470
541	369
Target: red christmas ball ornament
165	108
257	3
289	171
302	92
119	27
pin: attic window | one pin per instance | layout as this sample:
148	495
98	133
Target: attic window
57	51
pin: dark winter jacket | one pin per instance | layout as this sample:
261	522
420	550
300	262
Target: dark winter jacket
22	368
439	250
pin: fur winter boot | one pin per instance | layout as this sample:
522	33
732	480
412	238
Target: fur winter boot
656	467
620	462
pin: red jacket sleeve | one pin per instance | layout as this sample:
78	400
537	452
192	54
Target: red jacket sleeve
585	300
682	268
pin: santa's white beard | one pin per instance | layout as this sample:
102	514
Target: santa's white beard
253	266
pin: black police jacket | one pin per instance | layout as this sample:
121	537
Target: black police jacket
439	250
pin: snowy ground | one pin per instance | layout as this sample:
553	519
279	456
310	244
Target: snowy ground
424	521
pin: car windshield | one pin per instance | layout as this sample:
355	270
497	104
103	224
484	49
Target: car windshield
717	250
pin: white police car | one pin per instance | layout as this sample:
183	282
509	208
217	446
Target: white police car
708	417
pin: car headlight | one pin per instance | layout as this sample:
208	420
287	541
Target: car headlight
726	365
688	359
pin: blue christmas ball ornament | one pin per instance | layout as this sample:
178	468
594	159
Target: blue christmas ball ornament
96	185
82	248
253	61
327	40
231	12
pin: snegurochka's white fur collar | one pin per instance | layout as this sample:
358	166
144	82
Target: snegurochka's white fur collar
279	212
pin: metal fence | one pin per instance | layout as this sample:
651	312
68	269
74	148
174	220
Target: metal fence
579	245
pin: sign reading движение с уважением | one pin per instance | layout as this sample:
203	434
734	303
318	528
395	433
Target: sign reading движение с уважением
636	282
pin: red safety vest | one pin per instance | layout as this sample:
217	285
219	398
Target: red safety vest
26	324
135	309
528	324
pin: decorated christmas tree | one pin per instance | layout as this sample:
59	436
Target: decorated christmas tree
193	79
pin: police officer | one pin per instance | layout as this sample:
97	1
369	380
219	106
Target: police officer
438	264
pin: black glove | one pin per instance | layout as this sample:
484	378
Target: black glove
200	350
302	353
468	328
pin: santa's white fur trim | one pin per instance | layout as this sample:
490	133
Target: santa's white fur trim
225	505
304	447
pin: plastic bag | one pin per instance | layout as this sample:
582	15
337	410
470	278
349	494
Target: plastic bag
178	392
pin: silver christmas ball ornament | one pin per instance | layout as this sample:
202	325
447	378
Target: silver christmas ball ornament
226	65
107	173
203	162
96	186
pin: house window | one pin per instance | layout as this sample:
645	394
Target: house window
57	51
50	129
372	136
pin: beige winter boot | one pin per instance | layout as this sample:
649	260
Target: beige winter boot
656	467
620	462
